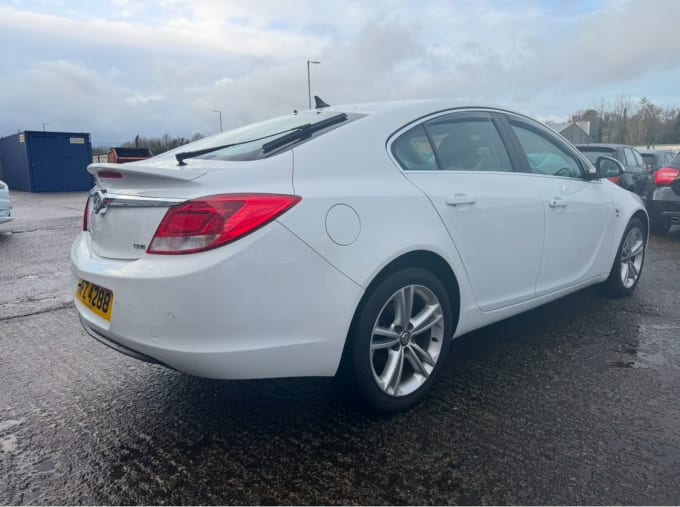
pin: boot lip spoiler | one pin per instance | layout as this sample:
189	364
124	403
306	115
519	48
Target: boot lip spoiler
183	174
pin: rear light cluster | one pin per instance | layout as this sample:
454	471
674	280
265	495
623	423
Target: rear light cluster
665	176
615	179
210	222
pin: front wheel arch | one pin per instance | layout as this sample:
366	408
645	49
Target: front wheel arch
644	218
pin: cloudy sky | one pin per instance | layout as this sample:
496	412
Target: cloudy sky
117	68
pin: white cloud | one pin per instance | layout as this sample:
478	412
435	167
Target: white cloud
169	64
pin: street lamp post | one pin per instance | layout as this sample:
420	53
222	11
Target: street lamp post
309	83
220	113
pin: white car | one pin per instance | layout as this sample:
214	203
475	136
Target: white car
358	239
5	203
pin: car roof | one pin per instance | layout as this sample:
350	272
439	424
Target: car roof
416	107
655	152
611	146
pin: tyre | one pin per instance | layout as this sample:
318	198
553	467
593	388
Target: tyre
400	340
630	257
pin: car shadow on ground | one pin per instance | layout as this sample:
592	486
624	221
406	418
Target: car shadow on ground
247	440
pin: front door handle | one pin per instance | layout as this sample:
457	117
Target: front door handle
460	199
557	202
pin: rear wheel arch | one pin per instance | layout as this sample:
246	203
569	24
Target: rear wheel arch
425	259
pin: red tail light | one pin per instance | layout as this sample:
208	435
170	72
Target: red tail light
110	174
209	222
665	176
615	179
86	213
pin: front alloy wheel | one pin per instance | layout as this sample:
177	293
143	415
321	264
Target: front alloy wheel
630	258
632	254
400	339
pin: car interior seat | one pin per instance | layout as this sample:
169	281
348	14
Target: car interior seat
458	153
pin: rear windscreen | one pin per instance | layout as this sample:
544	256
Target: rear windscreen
261	133
649	159
675	163
593	154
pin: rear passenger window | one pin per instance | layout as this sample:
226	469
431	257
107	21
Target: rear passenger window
629	156
413	150
468	144
638	159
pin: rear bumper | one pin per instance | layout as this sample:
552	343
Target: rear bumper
264	306
115	346
5	215
665	203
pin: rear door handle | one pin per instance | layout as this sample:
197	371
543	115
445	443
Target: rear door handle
460	199
557	202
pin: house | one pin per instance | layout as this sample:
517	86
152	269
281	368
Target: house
120	155
577	132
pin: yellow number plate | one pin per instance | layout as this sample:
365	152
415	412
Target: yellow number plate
98	299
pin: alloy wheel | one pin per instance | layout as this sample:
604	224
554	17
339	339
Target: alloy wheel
632	255
407	339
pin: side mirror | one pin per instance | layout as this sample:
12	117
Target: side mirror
676	186
608	167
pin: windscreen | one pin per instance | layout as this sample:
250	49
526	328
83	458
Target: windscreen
264	132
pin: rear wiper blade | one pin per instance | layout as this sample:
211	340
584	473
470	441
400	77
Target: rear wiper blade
303	132
181	157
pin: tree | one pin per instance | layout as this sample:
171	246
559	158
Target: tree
158	144
673	133
646	124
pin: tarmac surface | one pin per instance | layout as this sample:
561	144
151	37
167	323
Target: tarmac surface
576	402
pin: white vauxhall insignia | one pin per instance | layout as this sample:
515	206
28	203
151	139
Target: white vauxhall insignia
358	239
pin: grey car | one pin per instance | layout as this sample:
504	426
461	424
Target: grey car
663	204
5	203
656	159
637	177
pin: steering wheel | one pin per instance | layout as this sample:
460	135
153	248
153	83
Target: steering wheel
564	171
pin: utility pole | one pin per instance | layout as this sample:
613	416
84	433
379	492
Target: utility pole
220	112
309	83
623	133
45	123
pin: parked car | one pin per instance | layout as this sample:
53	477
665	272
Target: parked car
637	178
663	204
656	159
355	240
675	186
5	203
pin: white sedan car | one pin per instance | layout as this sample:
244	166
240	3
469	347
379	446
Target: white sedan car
357	239
5	203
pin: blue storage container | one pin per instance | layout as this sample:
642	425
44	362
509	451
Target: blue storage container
36	161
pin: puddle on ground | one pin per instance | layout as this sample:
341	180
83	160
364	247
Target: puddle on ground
8	441
658	346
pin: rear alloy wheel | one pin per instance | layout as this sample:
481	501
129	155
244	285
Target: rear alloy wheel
401	339
630	258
